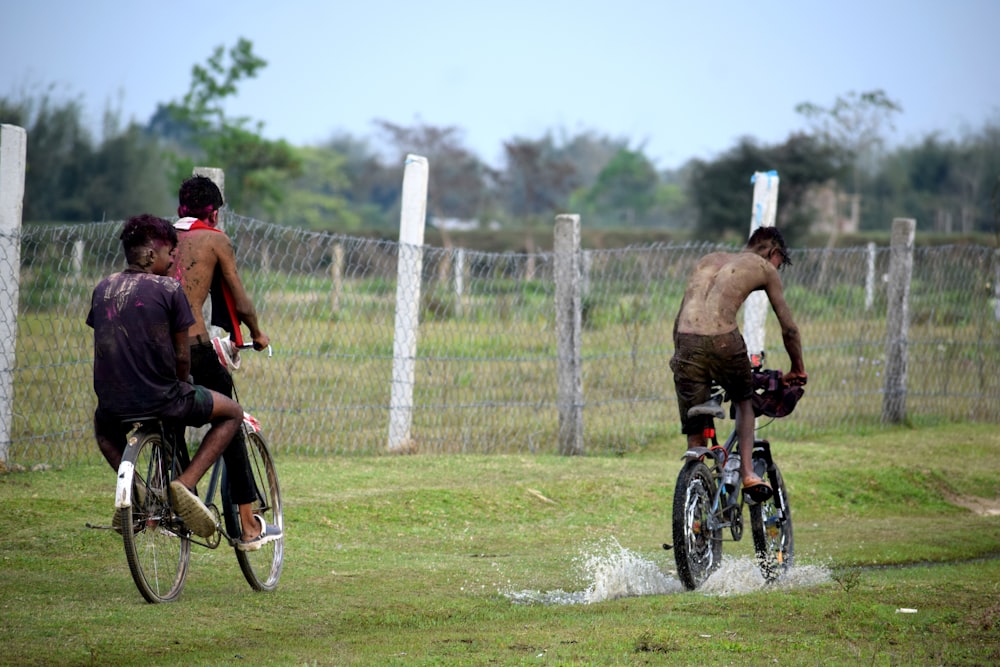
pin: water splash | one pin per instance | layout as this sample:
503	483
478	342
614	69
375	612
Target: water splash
610	571
737	576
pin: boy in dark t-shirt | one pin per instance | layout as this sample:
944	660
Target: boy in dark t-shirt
142	364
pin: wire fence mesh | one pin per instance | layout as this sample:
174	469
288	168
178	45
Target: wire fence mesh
485	369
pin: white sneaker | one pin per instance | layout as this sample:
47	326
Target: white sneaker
268	533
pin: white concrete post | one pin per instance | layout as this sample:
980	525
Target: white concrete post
898	319
765	210
458	271
870	278
336	277
13	155
996	285
569	333
586	263
412	221
77	261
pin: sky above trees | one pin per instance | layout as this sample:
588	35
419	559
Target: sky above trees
678	80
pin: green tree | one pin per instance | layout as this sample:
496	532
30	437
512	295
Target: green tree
722	196
59	146
537	179
853	128
460	184
625	190
257	169
69	178
127	175
373	188
946	184
315	198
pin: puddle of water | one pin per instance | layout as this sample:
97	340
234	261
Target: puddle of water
610	571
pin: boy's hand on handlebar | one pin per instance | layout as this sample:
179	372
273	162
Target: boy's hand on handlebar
794	379
261	342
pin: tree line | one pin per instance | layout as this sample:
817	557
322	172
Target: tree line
839	171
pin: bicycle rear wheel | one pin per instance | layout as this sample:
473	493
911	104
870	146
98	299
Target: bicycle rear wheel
262	568
771	524
156	543
697	546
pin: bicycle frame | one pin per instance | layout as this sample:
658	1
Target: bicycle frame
141	426
724	500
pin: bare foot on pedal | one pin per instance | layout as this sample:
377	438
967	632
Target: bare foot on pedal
756	489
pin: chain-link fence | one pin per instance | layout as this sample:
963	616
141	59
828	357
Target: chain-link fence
486	362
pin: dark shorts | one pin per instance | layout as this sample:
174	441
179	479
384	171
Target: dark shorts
194	408
697	361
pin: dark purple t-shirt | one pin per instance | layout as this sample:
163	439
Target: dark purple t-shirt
134	316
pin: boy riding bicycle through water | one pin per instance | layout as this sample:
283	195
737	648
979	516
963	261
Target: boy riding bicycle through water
141	318
708	345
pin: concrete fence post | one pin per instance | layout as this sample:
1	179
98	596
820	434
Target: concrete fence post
765	210
336	277
13	156
996	285
569	326
412	222
870	278
458	272
898	319
77	262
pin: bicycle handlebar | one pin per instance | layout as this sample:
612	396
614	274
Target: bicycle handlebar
247	346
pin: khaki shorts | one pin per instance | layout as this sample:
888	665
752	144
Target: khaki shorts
697	361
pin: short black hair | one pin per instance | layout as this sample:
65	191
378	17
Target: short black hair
766	238
142	230
198	197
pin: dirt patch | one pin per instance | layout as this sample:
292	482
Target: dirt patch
981	506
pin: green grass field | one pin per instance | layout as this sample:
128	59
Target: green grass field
514	560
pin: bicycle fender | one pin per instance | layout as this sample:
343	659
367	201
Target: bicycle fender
126	472
696	454
123	490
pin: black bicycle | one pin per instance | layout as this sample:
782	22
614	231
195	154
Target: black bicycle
157	543
707	501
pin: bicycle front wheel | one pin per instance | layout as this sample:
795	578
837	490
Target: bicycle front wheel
771	524
697	545
262	568
156	543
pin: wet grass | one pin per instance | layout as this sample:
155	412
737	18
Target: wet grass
412	560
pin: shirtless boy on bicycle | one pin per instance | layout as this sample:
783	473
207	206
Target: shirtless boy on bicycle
708	345
206	268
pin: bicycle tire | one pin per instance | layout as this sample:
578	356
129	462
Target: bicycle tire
262	568
157	545
771	524
697	549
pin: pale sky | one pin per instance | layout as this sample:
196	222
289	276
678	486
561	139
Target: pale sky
679	79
